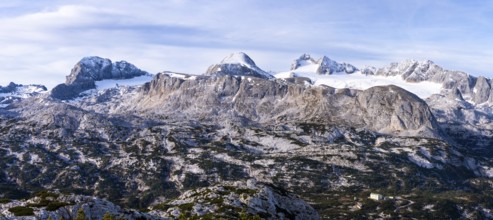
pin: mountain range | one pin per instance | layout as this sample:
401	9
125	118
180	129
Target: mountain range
239	142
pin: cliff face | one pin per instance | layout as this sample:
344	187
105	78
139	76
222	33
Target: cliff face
89	70
387	109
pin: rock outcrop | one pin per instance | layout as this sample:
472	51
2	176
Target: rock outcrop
388	109
58	206
248	199
91	69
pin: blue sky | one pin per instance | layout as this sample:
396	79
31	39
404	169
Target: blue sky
41	41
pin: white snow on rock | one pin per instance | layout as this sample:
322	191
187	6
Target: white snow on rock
184	76
244	60
114	83
420	161
361	81
238	58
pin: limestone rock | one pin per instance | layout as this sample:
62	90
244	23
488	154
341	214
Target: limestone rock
91	69
267	101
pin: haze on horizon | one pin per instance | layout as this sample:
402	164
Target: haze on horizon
42	40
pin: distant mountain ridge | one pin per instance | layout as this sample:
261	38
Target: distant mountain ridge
15	92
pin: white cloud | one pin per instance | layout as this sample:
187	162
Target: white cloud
41	41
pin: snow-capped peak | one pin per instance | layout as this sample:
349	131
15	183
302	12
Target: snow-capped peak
239	58
323	65
304	60
95	61
239	64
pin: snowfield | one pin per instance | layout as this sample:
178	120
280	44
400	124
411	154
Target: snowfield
360	81
113	83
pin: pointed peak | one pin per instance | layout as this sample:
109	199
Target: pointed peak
326	60
304	59
305	56
238	64
238	58
325	65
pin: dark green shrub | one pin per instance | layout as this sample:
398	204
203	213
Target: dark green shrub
53	206
21	211
44	194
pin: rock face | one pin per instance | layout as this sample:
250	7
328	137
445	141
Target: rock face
248	199
91	69
324	65
395	109
237	64
385	109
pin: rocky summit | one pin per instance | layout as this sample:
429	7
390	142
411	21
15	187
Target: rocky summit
91	69
238	64
323	140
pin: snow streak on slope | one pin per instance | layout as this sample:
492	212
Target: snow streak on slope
113	83
119	84
361	81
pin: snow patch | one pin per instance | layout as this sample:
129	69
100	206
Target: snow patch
487	171
361	81
420	161
115	83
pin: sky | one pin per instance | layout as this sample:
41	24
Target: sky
41	40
